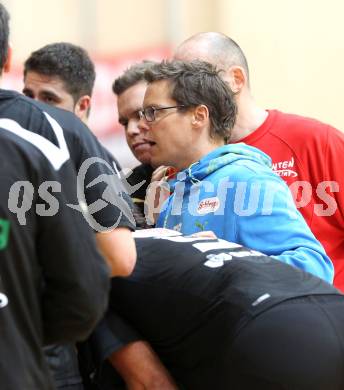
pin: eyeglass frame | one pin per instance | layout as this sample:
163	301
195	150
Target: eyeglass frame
142	113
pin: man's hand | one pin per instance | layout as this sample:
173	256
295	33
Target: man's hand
119	250
157	192
141	368
206	234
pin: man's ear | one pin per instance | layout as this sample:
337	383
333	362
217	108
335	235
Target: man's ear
200	116
82	107
8	62
236	78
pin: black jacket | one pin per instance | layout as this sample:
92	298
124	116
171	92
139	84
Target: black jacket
53	282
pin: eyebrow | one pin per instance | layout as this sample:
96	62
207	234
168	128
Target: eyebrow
154	105
43	94
127	117
27	90
49	94
122	120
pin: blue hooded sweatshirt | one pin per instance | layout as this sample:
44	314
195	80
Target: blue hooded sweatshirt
233	192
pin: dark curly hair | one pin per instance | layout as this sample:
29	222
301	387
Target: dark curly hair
69	62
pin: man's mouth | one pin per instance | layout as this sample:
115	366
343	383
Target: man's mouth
141	146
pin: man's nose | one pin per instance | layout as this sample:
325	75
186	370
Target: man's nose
133	127
143	124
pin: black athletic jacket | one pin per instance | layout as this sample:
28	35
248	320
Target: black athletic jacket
53	282
108	203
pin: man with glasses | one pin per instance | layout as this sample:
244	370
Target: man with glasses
228	189
149	112
175	122
294	143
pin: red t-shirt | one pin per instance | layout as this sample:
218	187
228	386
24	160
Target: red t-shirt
306	154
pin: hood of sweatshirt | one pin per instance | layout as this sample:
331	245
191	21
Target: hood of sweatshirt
224	155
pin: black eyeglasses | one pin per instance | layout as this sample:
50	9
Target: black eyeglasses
149	112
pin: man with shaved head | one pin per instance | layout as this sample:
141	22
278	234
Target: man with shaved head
296	144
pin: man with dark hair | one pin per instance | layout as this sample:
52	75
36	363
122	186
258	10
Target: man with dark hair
228	189
61	74
49	264
130	88
293	142
65	73
102	193
221	316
